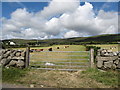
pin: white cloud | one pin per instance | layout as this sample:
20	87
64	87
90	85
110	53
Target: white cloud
84	20
58	7
71	34
74	21
53	26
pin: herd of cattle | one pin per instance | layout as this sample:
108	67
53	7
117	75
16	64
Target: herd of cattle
49	49
112	47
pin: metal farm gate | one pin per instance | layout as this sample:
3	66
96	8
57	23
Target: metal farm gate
60	60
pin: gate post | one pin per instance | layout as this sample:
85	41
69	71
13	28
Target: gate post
92	58
27	57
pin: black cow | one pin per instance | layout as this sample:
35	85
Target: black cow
58	48
50	49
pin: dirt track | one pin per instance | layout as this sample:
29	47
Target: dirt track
7	85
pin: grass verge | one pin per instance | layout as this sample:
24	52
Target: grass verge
107	78
61	79
11	75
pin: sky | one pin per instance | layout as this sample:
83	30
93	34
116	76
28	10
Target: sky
46	20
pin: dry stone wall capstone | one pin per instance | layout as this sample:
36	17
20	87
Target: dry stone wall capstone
12	58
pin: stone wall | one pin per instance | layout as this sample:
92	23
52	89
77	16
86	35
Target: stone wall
12	58
106	59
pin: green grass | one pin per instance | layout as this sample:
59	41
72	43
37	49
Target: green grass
108	78
12	74
107	46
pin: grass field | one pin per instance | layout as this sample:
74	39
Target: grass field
113	47
78	47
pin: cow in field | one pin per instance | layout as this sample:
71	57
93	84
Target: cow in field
66	46
50	49
39	50
58	48
32	50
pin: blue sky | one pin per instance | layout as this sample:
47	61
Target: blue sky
9	7
43	20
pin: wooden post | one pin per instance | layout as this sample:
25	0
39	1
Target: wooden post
27	57
92	58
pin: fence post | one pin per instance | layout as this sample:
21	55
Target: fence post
27	57
92	58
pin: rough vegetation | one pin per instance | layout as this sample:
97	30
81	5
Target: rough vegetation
11	74
90	78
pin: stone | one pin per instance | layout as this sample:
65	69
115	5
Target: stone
31	86
19	50
119	54
108	64
116	61
18	57
1	58
1	52
118	66
115	53
102	53
20	63
23	54
108	54
21	57
101	70
6	67
14	52
114	66
99	63
12	63
5	61
5	55
41	85
12	55
9	57
8	52
106	58
18	54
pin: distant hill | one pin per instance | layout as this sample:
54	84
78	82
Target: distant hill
99	39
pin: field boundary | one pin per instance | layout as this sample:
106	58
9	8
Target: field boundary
51	65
